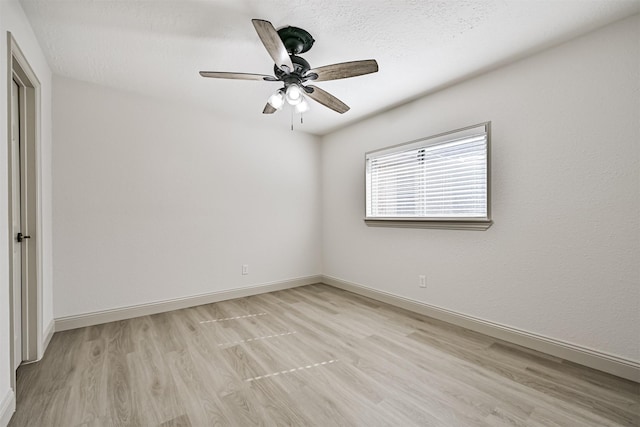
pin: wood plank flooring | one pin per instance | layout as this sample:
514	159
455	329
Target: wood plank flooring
310	356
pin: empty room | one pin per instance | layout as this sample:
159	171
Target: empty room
320	213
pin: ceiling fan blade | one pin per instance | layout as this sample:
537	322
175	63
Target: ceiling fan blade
268	109
345	70
236	76
272	42
326	99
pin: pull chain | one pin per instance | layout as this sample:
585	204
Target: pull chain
292	119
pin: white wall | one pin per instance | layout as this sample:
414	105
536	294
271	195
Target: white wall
156	201
12	19
563	257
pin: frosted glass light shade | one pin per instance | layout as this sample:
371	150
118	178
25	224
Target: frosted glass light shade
294	94
276	100
303	105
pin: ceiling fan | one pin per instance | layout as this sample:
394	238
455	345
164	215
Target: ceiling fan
283	46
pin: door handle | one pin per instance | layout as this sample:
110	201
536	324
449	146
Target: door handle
20	237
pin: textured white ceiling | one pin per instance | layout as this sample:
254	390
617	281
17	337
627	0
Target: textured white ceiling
158	47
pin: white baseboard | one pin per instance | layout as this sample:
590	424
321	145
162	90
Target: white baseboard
612	364
7	408
96	318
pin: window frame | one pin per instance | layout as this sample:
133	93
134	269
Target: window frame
459	223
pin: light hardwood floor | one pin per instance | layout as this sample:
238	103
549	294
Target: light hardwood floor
310	356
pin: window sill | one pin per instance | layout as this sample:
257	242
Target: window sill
478	225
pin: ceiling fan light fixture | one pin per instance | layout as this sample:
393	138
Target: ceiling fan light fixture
276	100
294	94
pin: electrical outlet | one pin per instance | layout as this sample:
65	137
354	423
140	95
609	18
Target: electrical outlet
245	269
422	281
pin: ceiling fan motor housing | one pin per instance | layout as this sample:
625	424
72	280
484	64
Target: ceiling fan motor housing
301	66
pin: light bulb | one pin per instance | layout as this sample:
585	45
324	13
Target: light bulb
294	94
276	100
303	106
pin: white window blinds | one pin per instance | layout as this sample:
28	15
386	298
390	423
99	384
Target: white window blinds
441	177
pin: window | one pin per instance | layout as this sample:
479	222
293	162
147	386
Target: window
440	181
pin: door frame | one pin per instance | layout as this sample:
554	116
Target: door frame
31	212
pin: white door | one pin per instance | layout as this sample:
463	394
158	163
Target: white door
15	226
